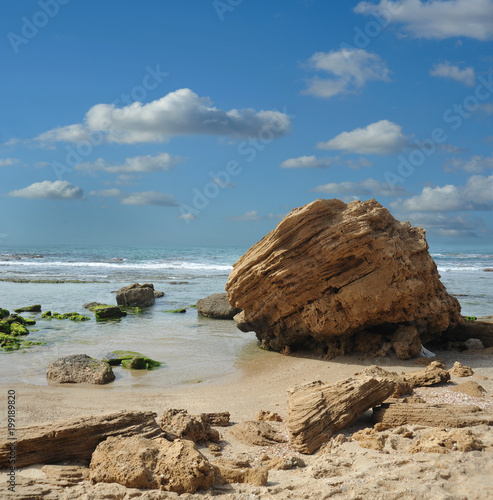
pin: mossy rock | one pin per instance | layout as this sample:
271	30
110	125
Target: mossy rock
194	306
17	329
46	314
181	311
31	343
4	313
131	360
27	321
4	327
106	312
140	363
79	317
9	342
35	308
471	318
72	316
131	310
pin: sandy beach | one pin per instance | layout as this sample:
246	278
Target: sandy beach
346	471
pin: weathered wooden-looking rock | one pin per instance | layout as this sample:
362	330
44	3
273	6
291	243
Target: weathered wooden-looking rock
433	415
75	438
317	410
331	272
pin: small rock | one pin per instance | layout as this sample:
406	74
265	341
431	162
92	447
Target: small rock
475	344
269	416
136	295
35	308
459	370
216	306
179	424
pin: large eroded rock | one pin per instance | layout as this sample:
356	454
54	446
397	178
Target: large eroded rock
137	462
331	272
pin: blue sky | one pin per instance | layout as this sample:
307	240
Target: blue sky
205	122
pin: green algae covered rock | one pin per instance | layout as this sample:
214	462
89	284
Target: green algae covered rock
4	313
36	308
18	329
4	327
72	316
140	363
105	312
181	311
131	360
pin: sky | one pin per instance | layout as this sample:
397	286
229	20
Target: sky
204	122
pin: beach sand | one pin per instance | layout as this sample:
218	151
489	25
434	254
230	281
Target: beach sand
260	383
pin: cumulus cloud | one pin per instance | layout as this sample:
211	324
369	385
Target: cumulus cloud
137	164
57	190
368	187
253	215
467	76
348	69
382	138
436	18
117	193
150	198
181	112
6	162
476	194
457	226
309	162
475	165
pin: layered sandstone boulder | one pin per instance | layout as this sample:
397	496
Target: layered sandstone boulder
342	277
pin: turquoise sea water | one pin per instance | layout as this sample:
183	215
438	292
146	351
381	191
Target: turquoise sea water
192	347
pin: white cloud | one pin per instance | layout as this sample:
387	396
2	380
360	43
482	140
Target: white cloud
253	215
368	187
117	193
181	112
467	76
476	194
6	162
150	198
349	69
137	164
457	226
187	217
57	190
475	165
381	138
436	18
309	162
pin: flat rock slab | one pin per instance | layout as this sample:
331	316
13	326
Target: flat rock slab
432	415
75	438
317	410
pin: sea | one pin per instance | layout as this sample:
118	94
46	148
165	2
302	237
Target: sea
192	348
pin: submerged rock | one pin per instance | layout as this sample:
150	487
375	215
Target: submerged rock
136	295
131	360
34	308
216	306
330	272
79	368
